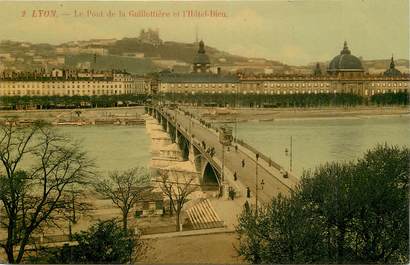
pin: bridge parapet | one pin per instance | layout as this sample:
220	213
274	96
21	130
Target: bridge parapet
261	155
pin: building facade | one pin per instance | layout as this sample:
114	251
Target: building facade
201	80
345	74
71	83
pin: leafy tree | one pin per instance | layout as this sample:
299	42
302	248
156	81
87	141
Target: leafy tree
340	213
328	192
105	242
124	189
399	98
38	167
382	218
277	235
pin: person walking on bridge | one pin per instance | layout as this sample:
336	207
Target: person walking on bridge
248	192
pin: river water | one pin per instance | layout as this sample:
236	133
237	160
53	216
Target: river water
318	140
315	141
113	147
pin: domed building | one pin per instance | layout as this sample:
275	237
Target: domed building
392	71
201	62
345	64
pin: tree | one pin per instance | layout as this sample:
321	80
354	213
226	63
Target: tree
38	167
105	242
124	189
277	234
75	205
351	212
177	187
329	194
382	218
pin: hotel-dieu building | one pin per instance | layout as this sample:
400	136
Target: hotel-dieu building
345	74
201	80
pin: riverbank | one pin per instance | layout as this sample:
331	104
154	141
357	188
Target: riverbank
86	116
116	115
252	114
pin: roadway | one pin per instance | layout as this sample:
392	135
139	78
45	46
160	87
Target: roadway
274	182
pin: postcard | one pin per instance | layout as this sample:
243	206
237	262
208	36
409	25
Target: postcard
217	132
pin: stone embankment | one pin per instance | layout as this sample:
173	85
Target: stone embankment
78	117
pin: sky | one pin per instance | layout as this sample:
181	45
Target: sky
292	32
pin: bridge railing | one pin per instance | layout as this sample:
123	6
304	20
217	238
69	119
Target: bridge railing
261	155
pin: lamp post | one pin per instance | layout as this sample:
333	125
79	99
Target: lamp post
225	138
236	114
257	181
290	152
223	163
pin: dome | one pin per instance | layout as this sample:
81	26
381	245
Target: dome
345	62
201	57
392	71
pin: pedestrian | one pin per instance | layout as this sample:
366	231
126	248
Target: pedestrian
236	148
243	162
247	207
235	176
248	192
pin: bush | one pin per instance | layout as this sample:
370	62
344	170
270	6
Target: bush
105	242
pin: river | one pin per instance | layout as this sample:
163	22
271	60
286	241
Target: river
315	140
318	140
113	147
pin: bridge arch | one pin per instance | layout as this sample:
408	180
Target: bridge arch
210	176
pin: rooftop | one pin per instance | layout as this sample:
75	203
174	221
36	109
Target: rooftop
198	78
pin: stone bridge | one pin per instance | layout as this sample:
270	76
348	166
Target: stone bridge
217	164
